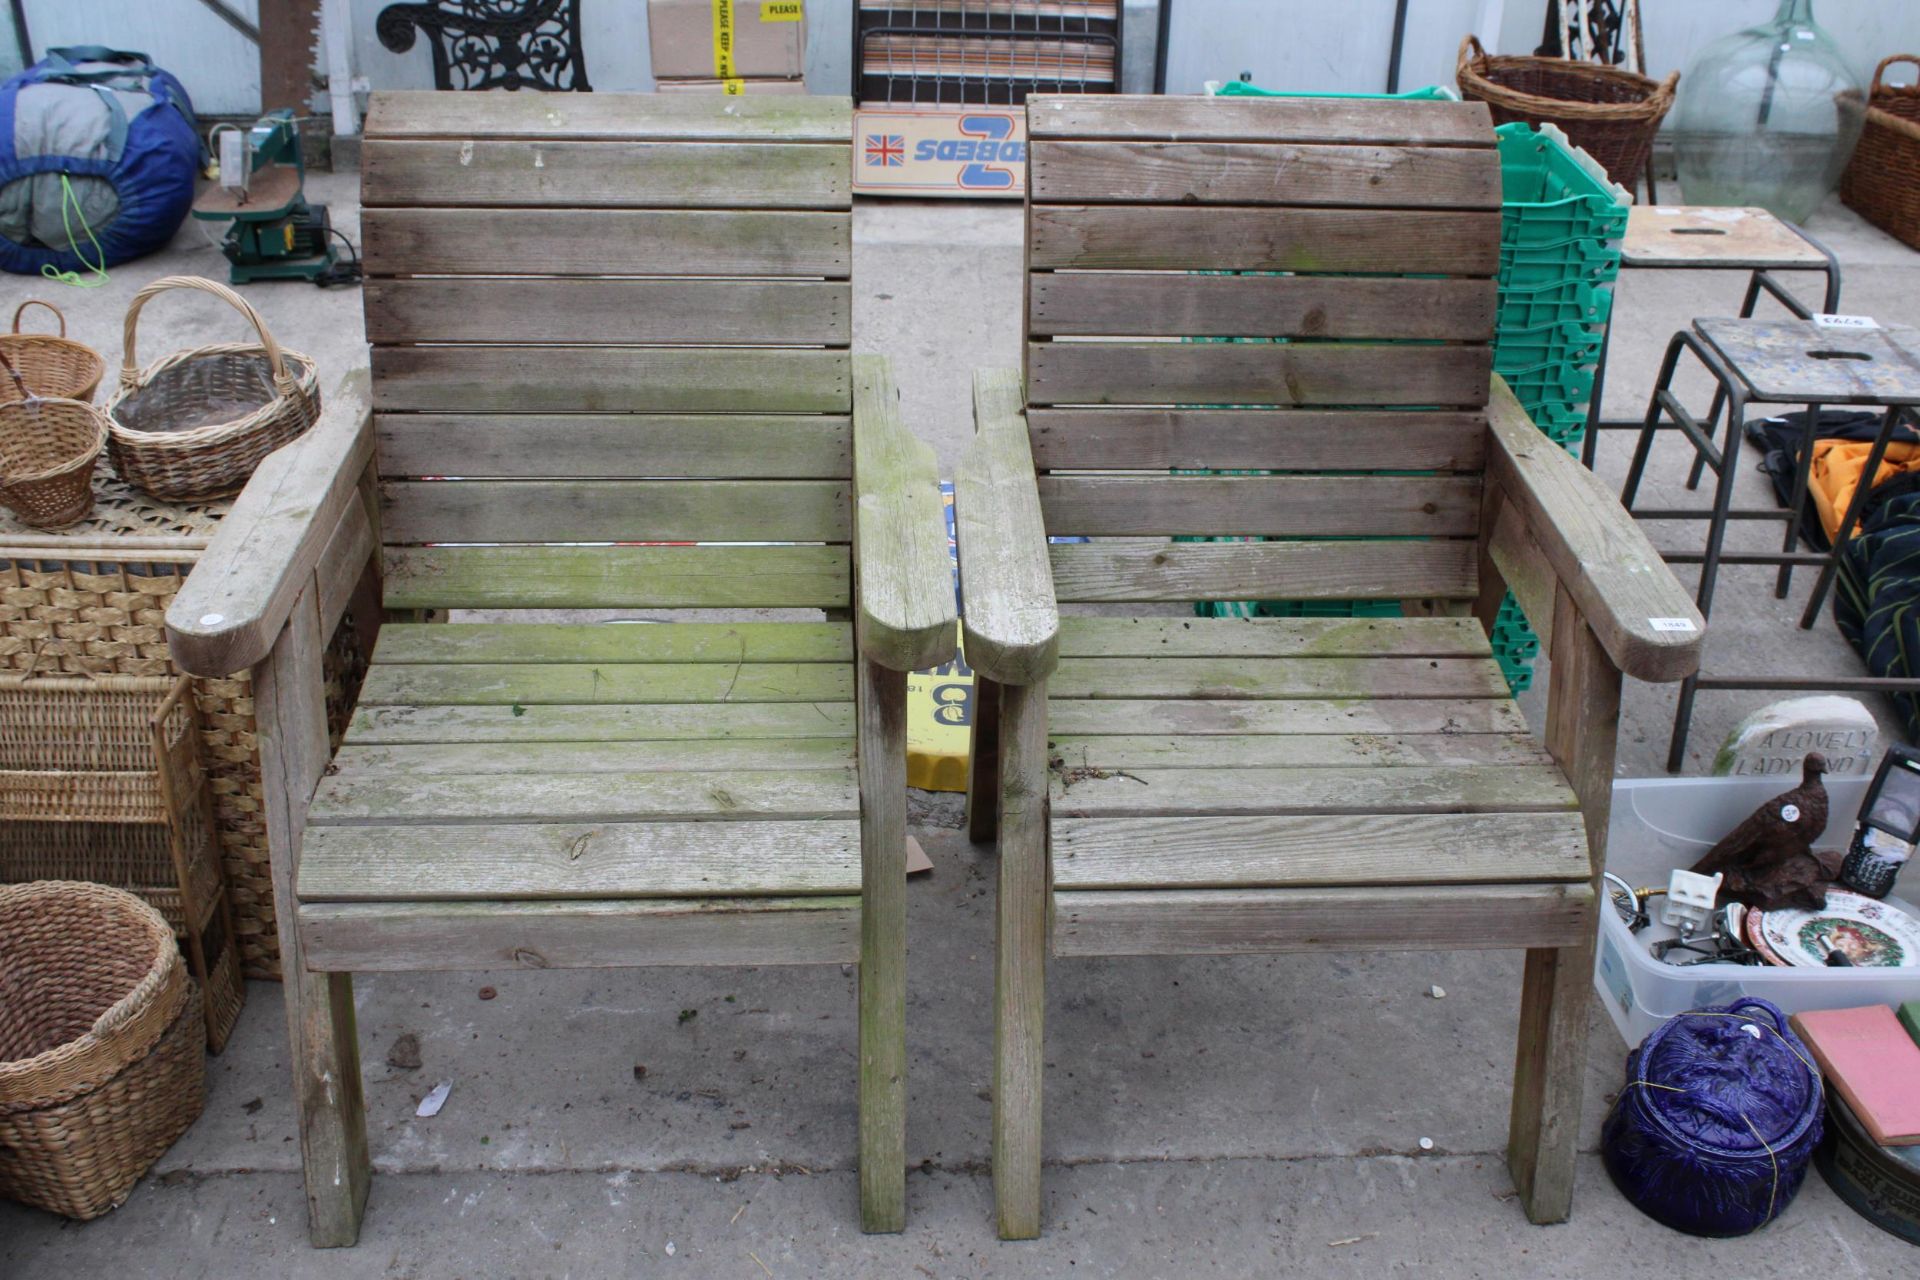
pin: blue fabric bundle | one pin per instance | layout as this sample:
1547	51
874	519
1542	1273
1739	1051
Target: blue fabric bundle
97	147
1719	1117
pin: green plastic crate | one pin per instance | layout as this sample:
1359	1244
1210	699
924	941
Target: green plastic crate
1552	193
1568	302
1520	350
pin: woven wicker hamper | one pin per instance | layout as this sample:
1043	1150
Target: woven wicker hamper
93	600
101	1064
1882	180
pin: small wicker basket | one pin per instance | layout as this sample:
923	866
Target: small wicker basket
196	423
1610	113
1882	181
101	1066
48	449
48	366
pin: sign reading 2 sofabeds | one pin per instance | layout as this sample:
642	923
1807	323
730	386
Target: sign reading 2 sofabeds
940	151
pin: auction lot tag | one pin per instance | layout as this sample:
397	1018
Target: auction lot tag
1828	321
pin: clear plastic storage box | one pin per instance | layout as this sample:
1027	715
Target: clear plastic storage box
1659	824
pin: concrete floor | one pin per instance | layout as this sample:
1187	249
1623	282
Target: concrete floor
1241	1117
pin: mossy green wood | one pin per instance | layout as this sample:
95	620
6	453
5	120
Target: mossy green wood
579	684
561	577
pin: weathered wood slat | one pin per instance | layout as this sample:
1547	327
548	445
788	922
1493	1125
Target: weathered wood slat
1075	716
1253	921
1241	238
1121	572
1300	852
617	577
394	800
418	113
394	726
683	312
573	175
583	684
1238	677
1089	637
596	242
906	608
611	380
1316	751
1262	172
1142	303
588	642
1279	439
463	759
1256	373
1009	615
616	445
408	937
1198	119
616	511
1361	791
882	990
1277	506
580	860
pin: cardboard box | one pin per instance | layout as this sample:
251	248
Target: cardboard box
727	39
741	86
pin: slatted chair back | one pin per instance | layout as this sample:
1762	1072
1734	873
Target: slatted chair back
617	318
1297	289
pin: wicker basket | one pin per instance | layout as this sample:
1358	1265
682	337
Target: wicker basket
196	423
92	601
1609	113
1882	181
100	1061
101	780
48	449
49	366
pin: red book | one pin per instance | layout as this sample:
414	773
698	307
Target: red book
1868	1057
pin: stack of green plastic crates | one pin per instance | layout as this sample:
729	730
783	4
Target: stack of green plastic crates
1559	255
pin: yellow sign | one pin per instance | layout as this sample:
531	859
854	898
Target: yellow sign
723	39
733	88
939	726
782	10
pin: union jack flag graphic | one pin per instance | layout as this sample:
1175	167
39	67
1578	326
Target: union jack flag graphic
886	150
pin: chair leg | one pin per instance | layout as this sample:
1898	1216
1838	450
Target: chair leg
1020	961
332	1104
983	762
1548	1073
883	948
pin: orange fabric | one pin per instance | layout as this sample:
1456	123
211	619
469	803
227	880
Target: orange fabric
1837	465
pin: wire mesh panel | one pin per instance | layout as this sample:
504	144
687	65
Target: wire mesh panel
984	52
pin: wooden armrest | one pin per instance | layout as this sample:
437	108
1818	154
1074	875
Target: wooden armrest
906	603
1012	625
1642	616
264	553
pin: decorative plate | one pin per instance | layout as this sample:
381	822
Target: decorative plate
1873	934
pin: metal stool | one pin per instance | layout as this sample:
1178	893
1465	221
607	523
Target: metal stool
1800	362
1689	238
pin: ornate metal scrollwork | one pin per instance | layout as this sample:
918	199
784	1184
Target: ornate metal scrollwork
493	44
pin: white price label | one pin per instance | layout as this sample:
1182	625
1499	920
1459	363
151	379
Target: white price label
1828	321
1672	624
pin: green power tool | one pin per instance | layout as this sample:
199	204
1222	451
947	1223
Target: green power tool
276	234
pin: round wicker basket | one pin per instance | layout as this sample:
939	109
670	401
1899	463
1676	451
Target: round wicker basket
1610	113
101	1055
47	453
48	366
196	423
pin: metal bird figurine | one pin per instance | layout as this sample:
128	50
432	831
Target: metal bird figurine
1768	859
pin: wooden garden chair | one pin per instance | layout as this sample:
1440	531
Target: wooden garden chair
1168	784
534	794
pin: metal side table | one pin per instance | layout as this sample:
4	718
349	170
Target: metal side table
1801	362
1665	237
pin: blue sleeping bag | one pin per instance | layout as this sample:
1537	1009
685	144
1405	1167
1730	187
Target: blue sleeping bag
97	146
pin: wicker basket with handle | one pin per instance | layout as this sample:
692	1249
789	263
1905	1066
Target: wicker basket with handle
1882	181
101	1066
196	423
48	448
1608	112
46	365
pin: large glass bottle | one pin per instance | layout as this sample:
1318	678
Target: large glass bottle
1768	116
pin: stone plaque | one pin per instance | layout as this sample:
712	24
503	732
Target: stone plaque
1774	739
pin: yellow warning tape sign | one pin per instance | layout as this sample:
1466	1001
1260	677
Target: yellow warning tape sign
723	39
